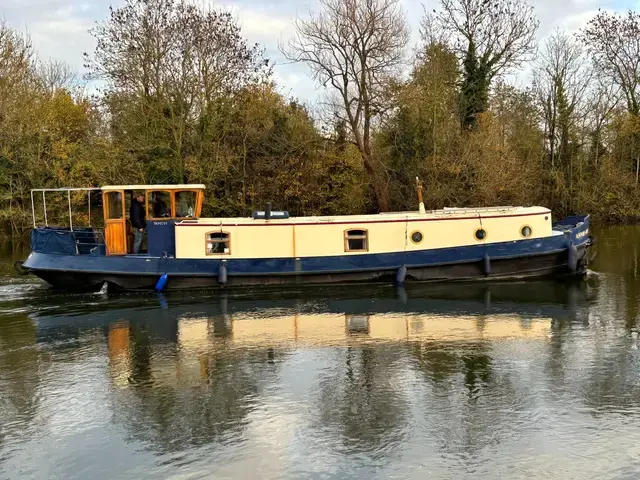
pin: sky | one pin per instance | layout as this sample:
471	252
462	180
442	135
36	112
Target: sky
59	28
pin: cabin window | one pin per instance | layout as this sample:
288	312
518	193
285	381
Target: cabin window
218	243
416	237
356	241
159	204
357	324
185	204
525	231
480	234
114	205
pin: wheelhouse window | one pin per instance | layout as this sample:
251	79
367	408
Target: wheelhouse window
356	241
159	204
218	243
185	204
114	205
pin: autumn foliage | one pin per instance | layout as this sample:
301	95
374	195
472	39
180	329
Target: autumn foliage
183	98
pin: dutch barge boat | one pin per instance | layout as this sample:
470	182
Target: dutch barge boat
185	250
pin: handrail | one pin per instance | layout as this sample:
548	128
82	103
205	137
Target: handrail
68	190
81	189
455	210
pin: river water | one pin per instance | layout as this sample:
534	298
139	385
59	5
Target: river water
520	380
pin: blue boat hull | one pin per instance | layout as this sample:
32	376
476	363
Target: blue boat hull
558	255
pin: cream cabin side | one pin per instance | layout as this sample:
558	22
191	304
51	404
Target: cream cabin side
319	237
343	329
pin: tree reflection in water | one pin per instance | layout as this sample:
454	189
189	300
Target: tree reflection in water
359	407
179	397
19	376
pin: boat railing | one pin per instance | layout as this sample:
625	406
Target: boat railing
458	210
68	191
73	239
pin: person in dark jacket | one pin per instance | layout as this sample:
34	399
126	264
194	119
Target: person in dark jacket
138	221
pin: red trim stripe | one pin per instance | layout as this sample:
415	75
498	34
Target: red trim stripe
412	220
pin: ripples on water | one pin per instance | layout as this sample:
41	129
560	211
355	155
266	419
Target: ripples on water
539	379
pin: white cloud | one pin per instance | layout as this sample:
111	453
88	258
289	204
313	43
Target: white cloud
62	38
58	29
260	24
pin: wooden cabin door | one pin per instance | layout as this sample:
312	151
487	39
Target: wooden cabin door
115	231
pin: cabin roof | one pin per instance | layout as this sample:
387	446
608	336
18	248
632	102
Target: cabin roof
193	186
487	212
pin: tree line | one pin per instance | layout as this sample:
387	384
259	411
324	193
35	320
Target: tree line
182	97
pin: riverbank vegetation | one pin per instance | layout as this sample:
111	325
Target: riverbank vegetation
176	94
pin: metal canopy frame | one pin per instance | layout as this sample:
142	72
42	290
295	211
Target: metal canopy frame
68	190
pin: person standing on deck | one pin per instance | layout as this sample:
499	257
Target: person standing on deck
138	221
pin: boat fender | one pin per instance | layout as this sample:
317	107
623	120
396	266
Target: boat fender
402	294
161	283
486	264
487	299
222	274
20	270
162	301
401	275
573	257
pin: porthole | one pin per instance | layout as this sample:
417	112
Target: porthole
525	231
416	237
480	234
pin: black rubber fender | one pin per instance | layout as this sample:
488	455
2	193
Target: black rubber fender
20	270
486	264
572	260
222	274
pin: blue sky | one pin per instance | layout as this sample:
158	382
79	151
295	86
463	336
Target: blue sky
59	28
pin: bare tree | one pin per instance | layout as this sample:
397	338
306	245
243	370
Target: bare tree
604	100
561	80
355	46
613	41
56	74
16	64
491	37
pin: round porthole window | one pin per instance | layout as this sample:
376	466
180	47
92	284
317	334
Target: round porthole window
481	234
416	237
525	231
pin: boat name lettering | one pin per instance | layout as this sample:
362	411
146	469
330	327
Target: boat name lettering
582	234
161	223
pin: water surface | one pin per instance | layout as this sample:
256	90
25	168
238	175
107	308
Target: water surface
519	380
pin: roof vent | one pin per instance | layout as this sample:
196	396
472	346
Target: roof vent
273	215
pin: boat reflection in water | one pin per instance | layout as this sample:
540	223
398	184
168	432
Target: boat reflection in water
182	340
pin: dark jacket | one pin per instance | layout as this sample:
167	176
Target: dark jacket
136	214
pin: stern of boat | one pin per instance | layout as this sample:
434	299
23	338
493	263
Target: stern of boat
577	230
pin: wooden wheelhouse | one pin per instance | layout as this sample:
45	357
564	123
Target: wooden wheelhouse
163	204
